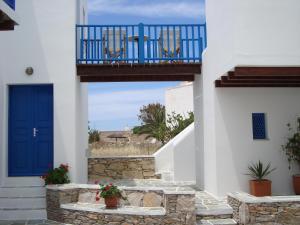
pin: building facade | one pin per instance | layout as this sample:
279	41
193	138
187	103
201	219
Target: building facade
43	114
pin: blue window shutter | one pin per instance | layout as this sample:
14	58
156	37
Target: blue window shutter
259	126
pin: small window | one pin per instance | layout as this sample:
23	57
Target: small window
259	126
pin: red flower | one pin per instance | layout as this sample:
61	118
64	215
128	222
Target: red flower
107	188
97	193
97	198
65	167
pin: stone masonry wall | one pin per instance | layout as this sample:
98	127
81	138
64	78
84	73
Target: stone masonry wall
121	168
250	210
179	209
55	198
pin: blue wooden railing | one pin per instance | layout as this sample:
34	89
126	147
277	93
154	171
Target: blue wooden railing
98	44
11	3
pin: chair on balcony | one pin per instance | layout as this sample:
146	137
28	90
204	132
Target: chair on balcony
167	48
114	45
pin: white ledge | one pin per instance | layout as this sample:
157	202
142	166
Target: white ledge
123	157
247	198
165	190
124	210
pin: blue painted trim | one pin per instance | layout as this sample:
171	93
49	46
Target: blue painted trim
259	126
30	98
93	46
11	3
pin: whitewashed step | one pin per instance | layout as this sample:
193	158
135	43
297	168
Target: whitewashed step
37	214
23	203
167	176
217	222
7	192
214	210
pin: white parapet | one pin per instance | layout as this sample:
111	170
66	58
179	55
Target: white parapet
178	156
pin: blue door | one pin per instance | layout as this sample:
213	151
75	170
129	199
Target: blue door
30	130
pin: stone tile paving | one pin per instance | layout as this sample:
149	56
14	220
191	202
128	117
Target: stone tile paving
209	207
29	222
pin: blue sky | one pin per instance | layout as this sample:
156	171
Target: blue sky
113	106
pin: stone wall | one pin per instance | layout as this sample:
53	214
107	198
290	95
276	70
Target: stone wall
247	209
178	207
106	168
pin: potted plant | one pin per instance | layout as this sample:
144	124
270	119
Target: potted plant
59	175
260	186
111	195
292	151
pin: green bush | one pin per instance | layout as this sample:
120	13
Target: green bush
292	146
154	123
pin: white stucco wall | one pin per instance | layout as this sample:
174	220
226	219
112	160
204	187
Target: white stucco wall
179	99
178	156
249	32
45	40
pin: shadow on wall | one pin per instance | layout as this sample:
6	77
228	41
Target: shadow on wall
234	142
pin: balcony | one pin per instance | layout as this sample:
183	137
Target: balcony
139	52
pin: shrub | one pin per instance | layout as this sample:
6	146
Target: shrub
292	147
155	125
58	175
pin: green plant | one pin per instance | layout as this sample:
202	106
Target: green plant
258	171
57	175
292	146
109	191
154	123
94	135
177	123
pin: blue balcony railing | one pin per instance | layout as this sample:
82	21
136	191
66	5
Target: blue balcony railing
11	3
98	44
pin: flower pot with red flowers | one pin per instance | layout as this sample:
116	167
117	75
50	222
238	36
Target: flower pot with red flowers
292	151
59	175
111	194
260	186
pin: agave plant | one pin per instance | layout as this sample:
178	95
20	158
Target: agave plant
258	171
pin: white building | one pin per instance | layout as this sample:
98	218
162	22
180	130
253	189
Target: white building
245	33
179	99
43	116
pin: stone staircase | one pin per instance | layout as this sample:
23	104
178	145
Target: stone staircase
22	203
212	211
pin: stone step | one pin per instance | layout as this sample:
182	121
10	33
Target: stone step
208	207
23	203
32	214
217	222
7	192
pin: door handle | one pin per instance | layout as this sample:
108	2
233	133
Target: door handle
35	132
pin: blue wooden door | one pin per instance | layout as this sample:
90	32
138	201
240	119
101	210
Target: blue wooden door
30	135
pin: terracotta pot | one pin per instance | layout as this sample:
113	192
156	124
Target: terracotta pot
111	202
260	188
296	183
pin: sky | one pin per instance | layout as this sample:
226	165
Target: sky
114	106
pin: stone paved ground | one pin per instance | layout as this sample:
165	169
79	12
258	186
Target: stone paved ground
29	222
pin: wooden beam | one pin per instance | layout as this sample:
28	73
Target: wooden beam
137	78
7	25
137	69
267	71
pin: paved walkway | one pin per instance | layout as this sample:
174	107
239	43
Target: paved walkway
29	222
